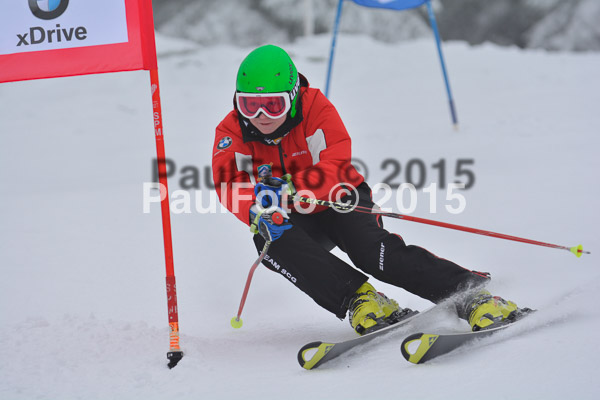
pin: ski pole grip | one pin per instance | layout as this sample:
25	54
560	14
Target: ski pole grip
277	218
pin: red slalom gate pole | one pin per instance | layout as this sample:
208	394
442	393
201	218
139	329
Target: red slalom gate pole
175	354
577	250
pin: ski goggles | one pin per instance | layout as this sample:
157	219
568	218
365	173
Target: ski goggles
273	105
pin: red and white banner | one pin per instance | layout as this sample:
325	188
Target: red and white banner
53	38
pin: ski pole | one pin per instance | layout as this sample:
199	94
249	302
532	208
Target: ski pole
275	218
577	250
236	321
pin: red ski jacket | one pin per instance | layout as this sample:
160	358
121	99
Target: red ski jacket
316	152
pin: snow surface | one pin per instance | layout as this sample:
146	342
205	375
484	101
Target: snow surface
82	293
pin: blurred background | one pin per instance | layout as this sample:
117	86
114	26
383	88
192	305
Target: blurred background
563	25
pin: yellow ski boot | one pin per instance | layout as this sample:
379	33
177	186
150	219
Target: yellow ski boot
487	310
370	310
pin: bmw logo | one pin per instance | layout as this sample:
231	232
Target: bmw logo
224	143
48	9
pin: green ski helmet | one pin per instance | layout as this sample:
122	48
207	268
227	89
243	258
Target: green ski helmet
269	69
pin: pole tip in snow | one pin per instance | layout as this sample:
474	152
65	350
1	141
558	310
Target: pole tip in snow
236	322
578	250
174	357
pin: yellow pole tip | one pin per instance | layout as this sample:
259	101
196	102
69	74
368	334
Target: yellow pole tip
236	323
577	250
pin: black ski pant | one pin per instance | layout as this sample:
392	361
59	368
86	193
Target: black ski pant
302	255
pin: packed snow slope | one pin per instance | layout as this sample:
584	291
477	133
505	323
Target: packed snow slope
82	294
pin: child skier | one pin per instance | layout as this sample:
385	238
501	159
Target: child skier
281	127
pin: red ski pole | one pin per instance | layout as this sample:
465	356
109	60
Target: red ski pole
236	321
276	218
577	250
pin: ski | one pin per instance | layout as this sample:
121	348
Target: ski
326	351
422	347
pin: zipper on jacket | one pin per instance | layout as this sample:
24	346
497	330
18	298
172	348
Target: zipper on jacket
281	156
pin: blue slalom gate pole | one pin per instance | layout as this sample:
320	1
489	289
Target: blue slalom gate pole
336	27
433	23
